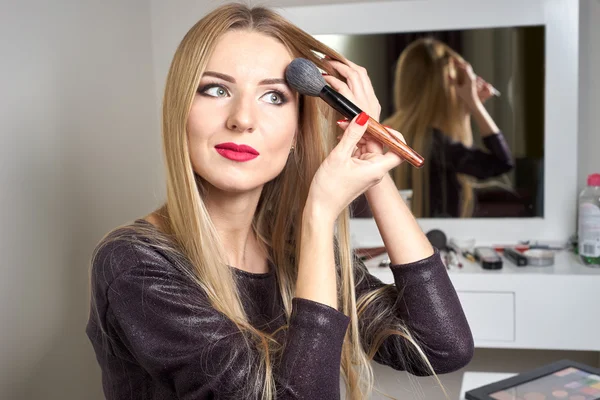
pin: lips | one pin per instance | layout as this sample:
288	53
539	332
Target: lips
236	152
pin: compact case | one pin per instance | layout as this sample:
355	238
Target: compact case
564	379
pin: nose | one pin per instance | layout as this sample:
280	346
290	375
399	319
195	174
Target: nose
242	116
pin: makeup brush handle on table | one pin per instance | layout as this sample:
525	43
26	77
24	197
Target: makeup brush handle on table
304	76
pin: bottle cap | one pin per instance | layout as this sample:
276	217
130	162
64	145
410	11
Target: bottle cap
593	180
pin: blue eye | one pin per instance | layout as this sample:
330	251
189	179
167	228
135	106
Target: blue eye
275	97
214	91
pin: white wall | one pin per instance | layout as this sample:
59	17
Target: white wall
589	90
80	154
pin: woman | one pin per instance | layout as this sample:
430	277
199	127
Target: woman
243	285
436	94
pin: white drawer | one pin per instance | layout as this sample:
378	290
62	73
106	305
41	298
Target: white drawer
491	315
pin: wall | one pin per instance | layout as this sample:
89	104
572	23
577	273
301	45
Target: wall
80	154
589	90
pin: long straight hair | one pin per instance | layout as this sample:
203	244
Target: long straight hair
185	220
424	98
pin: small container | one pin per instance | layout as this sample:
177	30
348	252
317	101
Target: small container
589	222
539	257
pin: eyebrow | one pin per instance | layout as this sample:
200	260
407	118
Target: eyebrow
232	79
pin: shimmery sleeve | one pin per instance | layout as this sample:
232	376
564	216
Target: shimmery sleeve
476	162
168	327
425	302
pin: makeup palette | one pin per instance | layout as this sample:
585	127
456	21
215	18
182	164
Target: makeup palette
563	380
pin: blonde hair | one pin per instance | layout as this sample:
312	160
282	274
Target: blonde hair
185	219
424	99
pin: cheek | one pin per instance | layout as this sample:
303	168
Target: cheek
281	133
198	128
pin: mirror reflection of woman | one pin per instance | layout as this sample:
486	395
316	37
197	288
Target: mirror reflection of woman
436	95
244	284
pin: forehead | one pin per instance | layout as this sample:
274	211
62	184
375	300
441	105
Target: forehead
244	54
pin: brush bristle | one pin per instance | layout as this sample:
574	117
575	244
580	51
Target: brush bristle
304	76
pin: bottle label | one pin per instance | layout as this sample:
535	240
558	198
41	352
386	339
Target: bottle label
589	230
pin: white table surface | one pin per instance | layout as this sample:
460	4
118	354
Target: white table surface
472	380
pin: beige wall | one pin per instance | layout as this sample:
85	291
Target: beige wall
80	154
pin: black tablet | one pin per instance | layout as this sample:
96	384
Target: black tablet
562	380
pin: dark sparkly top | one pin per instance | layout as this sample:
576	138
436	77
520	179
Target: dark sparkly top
156	336
449	158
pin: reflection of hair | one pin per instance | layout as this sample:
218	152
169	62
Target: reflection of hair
186	221
424	98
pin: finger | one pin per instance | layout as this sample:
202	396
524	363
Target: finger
340	87
353	75
361	142
390	160
395	134
466	68
353	133
357	77
344	124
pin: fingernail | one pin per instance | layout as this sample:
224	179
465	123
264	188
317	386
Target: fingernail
362	118
324	73
342	120
387	126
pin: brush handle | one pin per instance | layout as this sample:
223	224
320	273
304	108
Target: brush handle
395	143
349	110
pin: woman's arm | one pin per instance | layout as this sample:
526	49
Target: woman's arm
428	304
404	240
424	301
316	267
165	323
471	161
497	160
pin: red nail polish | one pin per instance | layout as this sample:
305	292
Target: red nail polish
324	73
362	118
342	120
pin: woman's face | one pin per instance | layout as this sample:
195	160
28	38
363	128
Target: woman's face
243	119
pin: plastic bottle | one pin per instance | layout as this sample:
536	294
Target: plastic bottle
589	222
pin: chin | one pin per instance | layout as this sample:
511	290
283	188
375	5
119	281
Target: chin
239	183
239	178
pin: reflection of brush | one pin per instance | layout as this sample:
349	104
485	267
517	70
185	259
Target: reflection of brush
493	90
304	76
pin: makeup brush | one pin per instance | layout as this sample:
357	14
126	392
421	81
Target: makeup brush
304	76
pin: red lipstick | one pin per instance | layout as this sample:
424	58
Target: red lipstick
236	152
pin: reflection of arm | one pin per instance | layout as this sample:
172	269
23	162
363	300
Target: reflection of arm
476	162
424	300
484	121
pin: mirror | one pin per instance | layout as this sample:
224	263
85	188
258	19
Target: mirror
468	183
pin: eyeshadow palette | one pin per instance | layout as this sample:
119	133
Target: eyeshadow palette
565	380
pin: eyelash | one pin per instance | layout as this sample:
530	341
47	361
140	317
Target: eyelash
202	91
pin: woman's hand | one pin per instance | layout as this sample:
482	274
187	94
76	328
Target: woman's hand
349	170
484	90
359	90
473	90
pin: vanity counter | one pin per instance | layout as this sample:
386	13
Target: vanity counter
532	307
